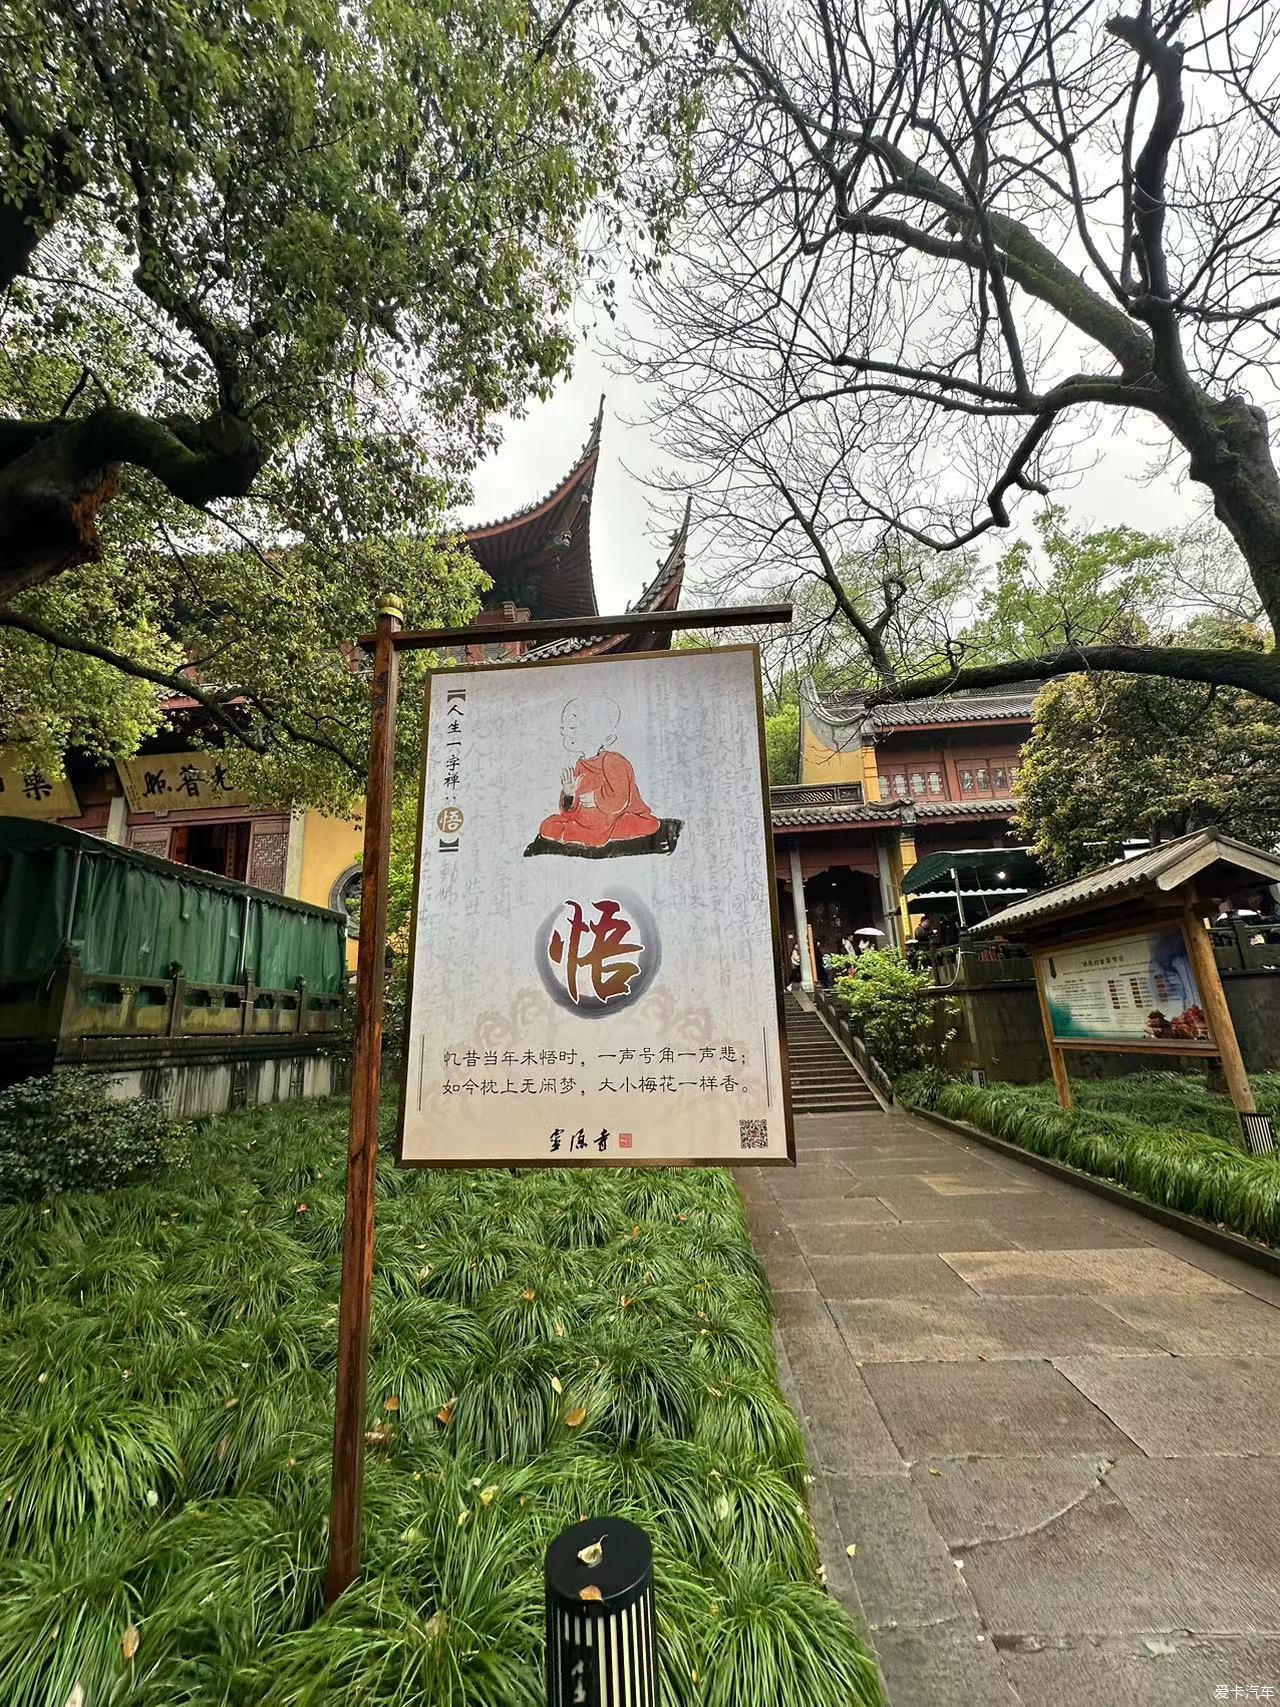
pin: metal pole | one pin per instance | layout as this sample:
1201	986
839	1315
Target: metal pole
601	1636
362	1149
955	872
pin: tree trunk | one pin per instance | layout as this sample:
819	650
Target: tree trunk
1230	453
49	500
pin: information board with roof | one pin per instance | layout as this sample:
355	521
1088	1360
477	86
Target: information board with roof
1124	961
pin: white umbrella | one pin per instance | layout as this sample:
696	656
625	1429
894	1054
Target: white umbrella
868	930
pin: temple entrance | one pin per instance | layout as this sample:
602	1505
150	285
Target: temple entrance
220	848
840	902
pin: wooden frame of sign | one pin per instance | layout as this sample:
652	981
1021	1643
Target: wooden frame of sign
366	1058
559	674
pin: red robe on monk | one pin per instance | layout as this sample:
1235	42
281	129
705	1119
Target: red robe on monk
615	814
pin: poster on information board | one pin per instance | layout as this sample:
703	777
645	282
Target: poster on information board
1137	990
595	972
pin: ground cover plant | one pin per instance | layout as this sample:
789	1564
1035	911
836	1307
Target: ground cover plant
544	1345
1164	1136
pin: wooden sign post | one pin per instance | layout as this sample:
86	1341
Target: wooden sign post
366	1063
362	1146
1057	1063
1221	1026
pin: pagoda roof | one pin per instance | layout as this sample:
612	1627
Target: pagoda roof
540	556
661	594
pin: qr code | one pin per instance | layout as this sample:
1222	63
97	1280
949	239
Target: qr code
753	1134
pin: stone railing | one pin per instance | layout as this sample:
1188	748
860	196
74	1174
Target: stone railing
849	1032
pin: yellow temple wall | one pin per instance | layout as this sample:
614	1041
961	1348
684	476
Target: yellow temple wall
820	763
330	846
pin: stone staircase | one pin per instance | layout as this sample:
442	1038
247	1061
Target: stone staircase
823	1078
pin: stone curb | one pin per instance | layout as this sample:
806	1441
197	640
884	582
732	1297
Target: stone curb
1234	1244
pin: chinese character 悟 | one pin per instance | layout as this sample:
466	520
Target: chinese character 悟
604	949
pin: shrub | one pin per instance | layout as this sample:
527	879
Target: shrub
62	1132
896	1012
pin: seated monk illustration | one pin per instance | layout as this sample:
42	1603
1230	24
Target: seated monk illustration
602	812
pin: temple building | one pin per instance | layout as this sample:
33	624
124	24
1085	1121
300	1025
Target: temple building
903	811
183	805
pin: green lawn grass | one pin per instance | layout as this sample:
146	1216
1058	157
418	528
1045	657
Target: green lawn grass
1164	1136
544	1345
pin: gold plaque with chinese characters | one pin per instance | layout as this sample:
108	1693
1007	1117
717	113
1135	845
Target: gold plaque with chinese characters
178	782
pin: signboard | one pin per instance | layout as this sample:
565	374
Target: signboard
26	791
595	965
1138	991
177	782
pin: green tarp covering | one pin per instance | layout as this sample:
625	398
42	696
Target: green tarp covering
978	868
128	915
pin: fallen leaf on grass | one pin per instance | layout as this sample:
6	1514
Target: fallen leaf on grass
437	1624
129	1642
559	1328
445	1413
722	1507
591	1592
379	1436
392	1404
528	1294
575	1419
489	1494
555	1384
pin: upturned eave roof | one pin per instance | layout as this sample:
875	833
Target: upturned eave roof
661	594
540	555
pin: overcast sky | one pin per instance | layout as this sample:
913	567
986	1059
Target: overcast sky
627	535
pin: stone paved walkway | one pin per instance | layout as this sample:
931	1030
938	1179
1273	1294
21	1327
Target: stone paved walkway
1049	1427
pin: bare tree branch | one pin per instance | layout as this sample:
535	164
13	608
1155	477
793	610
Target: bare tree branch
1257	672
